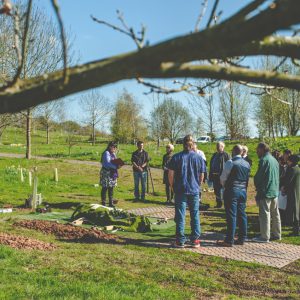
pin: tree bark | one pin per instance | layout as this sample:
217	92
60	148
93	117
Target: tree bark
28	133
94	135
48	133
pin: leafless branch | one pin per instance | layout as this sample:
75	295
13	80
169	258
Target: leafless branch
277	98
63	38
161	89
138	38
213	13
21	53
201	15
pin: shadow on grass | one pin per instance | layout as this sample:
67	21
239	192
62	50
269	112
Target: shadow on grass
62	205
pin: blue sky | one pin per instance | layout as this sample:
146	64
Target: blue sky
163	18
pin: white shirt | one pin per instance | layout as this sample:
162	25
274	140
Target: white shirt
226	171
201	153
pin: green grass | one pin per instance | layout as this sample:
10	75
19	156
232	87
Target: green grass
132	271
83	150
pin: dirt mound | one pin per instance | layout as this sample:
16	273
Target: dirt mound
21	242
68	232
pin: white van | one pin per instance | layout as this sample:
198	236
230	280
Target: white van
204	139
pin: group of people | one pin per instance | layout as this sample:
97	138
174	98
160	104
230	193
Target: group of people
186	171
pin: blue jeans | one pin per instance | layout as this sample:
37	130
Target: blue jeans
235	205
139	176
181	201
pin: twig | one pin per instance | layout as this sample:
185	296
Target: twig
277	98
129	31
160	89
63	39
201	15
21	55
213	13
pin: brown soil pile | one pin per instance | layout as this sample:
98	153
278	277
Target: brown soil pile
21	242
68	232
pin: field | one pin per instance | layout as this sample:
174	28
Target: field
13	141
115	271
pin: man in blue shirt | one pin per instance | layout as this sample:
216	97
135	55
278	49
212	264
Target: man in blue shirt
186	173
234	179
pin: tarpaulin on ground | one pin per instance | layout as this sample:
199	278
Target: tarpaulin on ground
105	216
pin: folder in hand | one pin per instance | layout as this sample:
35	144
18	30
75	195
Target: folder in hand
118	162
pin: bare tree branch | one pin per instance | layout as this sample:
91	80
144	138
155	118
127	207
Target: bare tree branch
129	31
250	37
63	38
201	15
21	54
213	13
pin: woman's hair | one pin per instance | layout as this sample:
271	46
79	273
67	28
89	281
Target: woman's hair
110	144
188	142
170	146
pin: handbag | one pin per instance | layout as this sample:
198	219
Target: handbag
282	201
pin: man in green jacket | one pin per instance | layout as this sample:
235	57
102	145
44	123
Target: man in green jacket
266	181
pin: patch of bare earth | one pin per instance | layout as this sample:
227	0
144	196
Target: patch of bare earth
68	232
21	242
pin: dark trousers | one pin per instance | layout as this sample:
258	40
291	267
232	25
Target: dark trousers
104	191
169	193
235	205
217	187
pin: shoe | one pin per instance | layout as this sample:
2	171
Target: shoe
136	200
195	244
223	244
239	242
111	206
178	245
259	239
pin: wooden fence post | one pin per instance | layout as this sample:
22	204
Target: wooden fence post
55	175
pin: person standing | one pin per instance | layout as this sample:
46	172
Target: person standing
198	151
266	181
234	179
217	164
140	161
166	159
108	173
292	188
245	155
186	173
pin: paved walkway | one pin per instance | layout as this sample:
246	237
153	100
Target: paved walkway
160	212
271	254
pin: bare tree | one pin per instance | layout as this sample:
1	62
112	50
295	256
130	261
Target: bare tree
234	107
205	107
97	109
174	119
47	113
37	51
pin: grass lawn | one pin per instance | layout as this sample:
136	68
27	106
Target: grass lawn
131	271
13	141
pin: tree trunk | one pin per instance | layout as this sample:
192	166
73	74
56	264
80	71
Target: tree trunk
28	133
94	135
48	134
